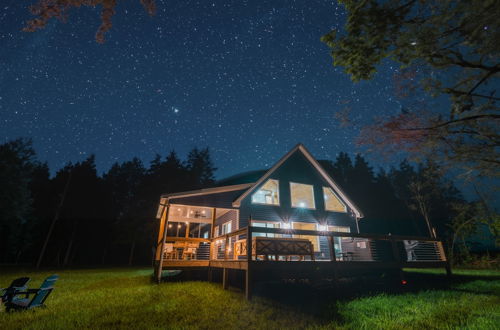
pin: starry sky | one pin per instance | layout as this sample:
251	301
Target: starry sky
248	79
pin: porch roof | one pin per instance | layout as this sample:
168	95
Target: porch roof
219	197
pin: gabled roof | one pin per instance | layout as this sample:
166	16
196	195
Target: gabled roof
315	164
247	188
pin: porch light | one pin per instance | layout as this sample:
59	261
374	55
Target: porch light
302	204
179	226
322	227
170	226
286	225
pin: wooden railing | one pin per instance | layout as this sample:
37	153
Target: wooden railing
285	245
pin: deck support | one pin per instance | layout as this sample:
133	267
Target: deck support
333	257
449	273
397	258
248	283
225	278
163	234
248	272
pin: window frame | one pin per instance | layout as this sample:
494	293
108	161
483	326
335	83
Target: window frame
337	197
277	194
313	198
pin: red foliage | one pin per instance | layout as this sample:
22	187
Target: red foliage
406	131
46	10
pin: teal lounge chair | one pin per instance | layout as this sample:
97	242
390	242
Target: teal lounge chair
39	296
9	293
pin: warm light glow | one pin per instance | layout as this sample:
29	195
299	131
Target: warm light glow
322	228
332	202
170	226
268	193
302	195
178	226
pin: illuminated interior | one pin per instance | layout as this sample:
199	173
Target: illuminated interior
302	195
332	202
268	193
307	226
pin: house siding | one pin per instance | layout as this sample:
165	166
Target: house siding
299	170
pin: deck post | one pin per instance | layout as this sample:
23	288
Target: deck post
164	227
248	273
333	257
447	266
225	278
212	230
397	257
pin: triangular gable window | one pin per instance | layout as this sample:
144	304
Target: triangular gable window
267	194
332	202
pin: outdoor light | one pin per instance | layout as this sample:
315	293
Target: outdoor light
170	226
322	227
403	282
302	204
179	226
286	225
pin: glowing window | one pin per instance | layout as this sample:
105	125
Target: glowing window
302	195
268	193
332	202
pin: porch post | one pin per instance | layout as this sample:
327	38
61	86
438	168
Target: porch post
333	257
164	237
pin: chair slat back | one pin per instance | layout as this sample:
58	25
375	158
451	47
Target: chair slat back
39	297
44	291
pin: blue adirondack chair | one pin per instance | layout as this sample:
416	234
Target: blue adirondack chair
39	296
10	292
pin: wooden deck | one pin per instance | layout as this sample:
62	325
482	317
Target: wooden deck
368	257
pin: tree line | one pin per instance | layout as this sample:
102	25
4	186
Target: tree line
98	219
79	217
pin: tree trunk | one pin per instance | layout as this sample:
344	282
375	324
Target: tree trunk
131	256
52	224
70	245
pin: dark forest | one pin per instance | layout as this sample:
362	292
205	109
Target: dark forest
109	219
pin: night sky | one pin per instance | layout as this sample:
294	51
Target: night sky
249	79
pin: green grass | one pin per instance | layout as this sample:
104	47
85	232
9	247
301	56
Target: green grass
126	298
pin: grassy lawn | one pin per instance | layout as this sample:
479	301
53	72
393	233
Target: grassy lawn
119	298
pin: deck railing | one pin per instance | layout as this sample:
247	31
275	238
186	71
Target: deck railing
278	244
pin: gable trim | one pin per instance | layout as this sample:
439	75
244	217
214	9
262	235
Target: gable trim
316	165
207	191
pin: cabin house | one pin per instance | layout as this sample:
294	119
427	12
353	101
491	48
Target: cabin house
291	220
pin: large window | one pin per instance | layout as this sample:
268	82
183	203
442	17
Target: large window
226	228
265	224
302	195
268	193
307	226
332	202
